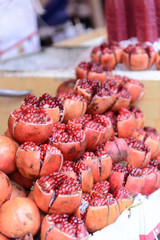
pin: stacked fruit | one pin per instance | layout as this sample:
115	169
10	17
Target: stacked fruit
136	57
71	163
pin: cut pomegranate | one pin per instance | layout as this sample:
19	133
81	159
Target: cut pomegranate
139	152
63	226
66	86
100	164
126	123
69	139
30	124
107	54
93	70
150	180
139	116
122	195
117	148
34	161
57	194
74	105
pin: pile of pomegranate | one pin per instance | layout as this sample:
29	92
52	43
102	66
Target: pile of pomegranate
70	164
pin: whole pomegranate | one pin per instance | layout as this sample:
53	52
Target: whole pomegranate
5	188
8	149
18	217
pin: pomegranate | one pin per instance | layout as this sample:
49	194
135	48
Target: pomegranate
139	116
28	236
97	128
66	86
139	152
121	97
138	57
17	190
30	123
57	194
8	149
124	174
21	180
93	70
158	60
5	188
98	98
100	164
126	123
21	215
150	180
107	54
63	226
34	161
123	197
79	171
74	105
69	139
135	87
118	149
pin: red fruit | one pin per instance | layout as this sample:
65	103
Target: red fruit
138	57
117	149
8	149
67	169
21	180
74	105
121	97
139	116
101	188
5	188
139	153
30	123
21	215
118	175
100	164
122	195
93	70
66	86
97	129
28	236
17	190
125	123
98	98
56	193
135	87
69	139
107	55
34	161
150	180
54	106
62	227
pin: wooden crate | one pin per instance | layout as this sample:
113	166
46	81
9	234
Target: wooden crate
150	104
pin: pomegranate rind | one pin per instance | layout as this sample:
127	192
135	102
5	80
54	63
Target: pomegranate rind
116	179
72	150
136	91
28	163
150	182
106	167
99	105
24	132
82	92
17	190
137	158
93	163
126	127
21	215
96	218
94	138
113	213
101	77
136	62
2	237
66	86
52	163
124	203
20	179
153	145
8	149
120	103
54	114
86	180
134	185
5	188
73	108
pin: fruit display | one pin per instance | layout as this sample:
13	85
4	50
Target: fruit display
73	162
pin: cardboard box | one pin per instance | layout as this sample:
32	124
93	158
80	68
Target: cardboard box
150	104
